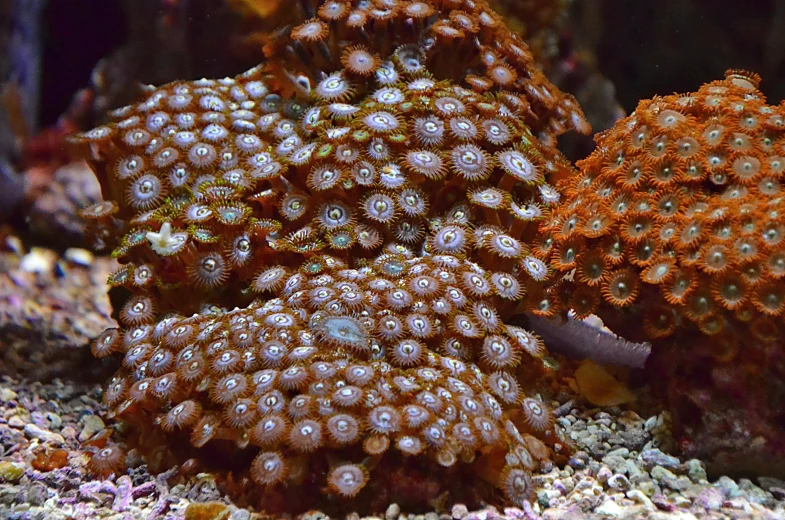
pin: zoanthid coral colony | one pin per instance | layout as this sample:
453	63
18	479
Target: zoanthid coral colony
678	210
676	222
323	254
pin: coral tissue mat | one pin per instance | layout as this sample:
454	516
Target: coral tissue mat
322	254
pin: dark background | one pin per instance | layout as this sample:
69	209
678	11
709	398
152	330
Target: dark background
644	47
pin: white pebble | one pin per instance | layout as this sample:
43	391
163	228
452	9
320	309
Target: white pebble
33	431
79	256
38	260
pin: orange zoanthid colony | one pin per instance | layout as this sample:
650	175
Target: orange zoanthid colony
675	232
679	210
321	253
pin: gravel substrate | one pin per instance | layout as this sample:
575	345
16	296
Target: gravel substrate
618	472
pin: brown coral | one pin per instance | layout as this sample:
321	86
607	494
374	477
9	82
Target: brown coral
321	379
371	239
464	42
352	179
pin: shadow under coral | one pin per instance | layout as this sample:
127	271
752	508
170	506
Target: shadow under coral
405	480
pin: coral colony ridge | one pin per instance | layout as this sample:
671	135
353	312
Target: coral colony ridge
323	257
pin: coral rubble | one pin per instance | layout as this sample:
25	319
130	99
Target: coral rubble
55	195
624	475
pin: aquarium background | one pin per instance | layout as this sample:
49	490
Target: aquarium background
707	444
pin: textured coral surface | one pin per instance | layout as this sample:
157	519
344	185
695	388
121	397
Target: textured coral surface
464	42
367	222
674	231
